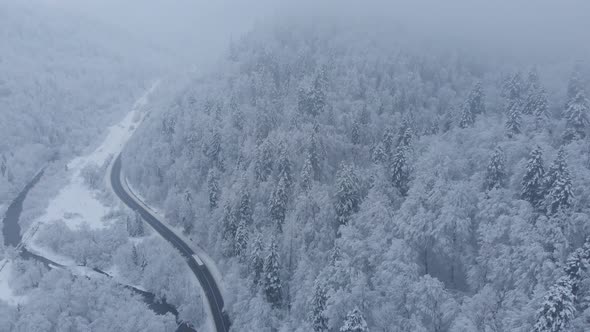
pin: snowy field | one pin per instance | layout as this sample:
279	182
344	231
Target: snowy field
76	203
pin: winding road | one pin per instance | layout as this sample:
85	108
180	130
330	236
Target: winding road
200	270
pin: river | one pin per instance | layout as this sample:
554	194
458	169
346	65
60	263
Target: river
12	237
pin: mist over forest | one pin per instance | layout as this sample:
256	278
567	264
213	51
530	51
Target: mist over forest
295	165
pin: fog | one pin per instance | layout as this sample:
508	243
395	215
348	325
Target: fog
200	29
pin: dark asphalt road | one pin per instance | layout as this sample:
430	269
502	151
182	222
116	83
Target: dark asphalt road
222	323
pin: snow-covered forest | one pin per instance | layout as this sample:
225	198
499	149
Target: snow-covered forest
63	79
347	180
333	166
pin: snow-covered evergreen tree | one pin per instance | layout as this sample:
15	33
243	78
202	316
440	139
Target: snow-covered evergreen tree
406	135
577	115
513	88
574	86
244	211
271	281
241	240
214	151
284	166
229	225
378	154
135	225
278	203
400	170
319	320
559	305
534	177
263	164
312	96
533	83
558	308
354	322
496	171
355	135
473	106
514	120
348	195
257	259
185	212
389	142
559	185
213	188
314	155
306	177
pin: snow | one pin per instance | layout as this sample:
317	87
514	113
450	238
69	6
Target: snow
35	248
200	256
6	293
204	258
76	203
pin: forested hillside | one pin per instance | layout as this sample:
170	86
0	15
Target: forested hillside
63	80
347	180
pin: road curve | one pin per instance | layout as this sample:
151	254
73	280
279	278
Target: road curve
220	318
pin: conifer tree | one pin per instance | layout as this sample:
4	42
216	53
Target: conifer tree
558	185
313	154
348	195
257	259
496	171
533	82
3	166
229	226
245	208
284	166
474	105
533	180
354	322
400	170
378	154
514	121
406	136
278	203
264	161
135	225
467	118
272	276
319	320
186	212
558	308
355	135
213	150
574	87
541	107
576	115
241	239
312	97
389	142
559	305
213	188
306	178
513	88
476	100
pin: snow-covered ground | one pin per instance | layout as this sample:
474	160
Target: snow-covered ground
76	203
6	293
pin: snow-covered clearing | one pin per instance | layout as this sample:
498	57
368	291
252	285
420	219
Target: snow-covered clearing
76	203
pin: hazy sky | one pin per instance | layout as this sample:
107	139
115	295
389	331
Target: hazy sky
200	27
